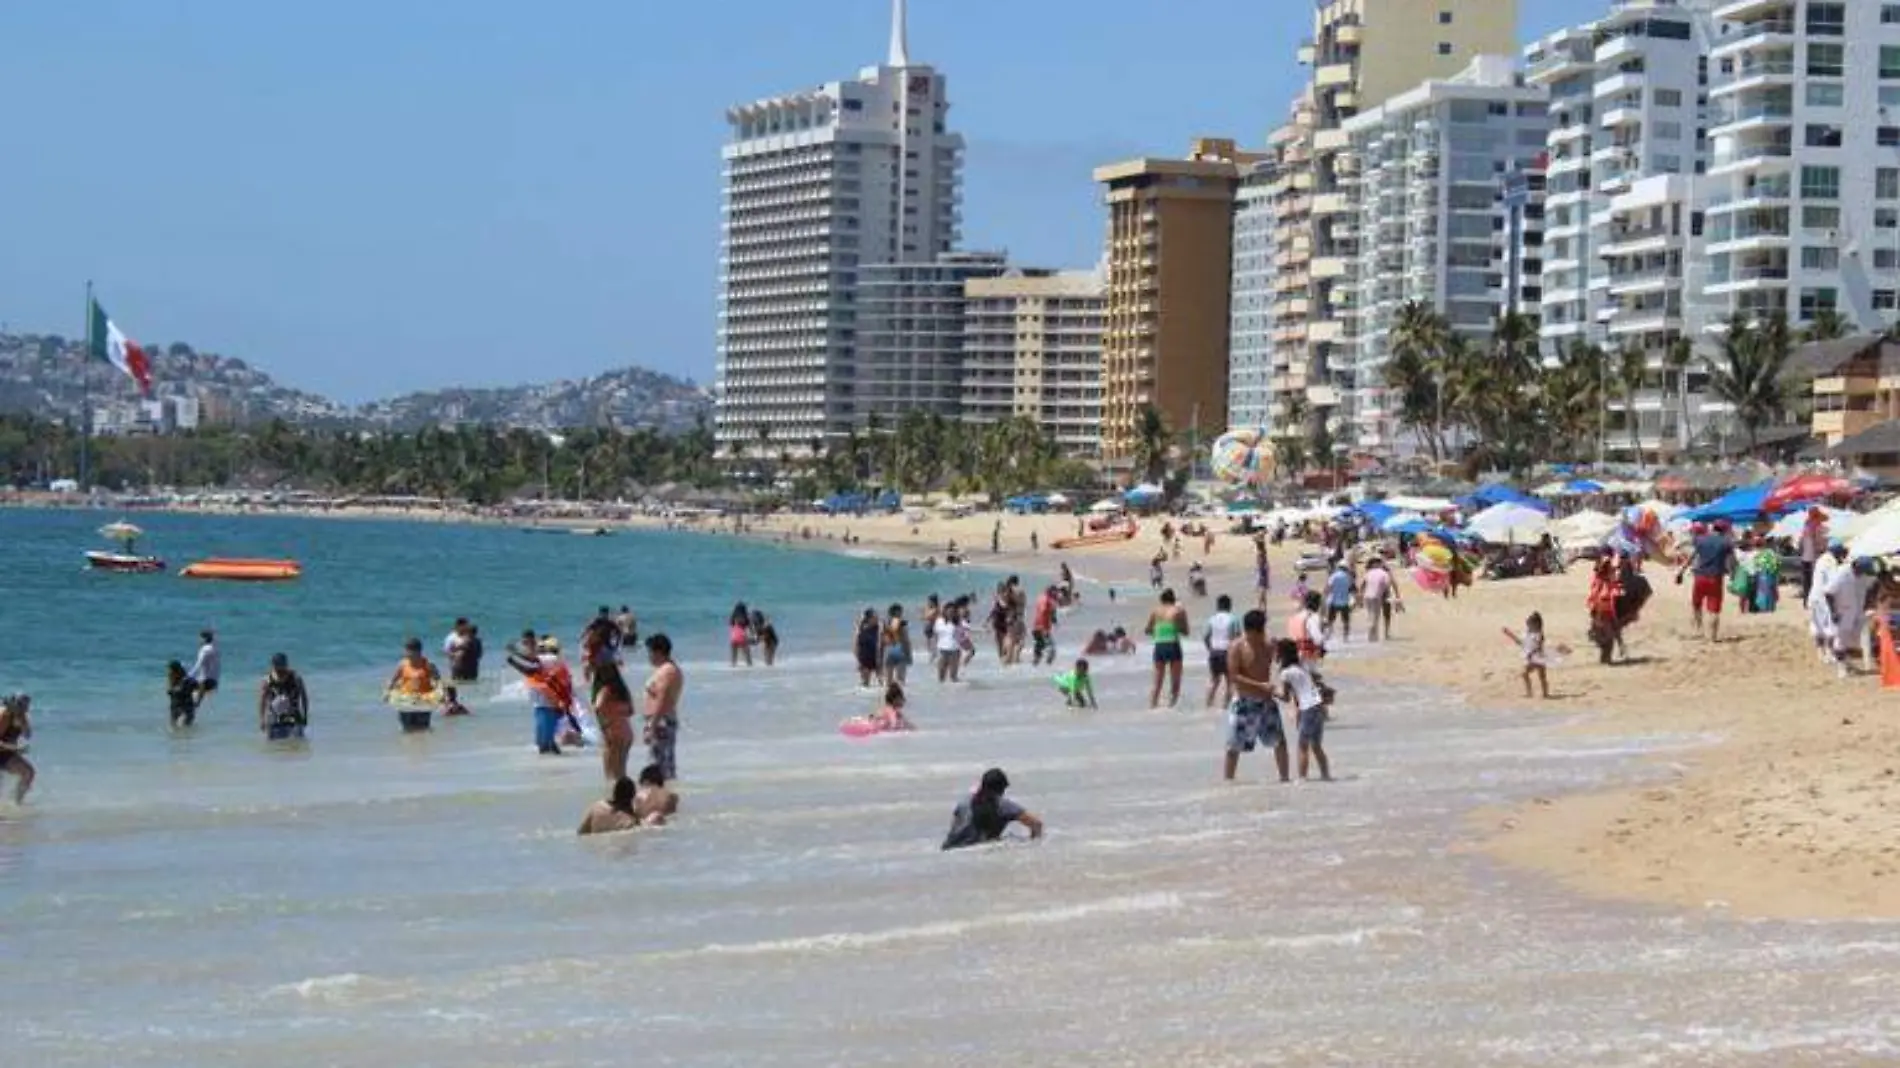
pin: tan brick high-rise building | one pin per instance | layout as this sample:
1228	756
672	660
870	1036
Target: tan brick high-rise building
1169	255
1362	52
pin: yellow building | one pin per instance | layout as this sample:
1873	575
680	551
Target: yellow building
1032	346
1169	254
1362	52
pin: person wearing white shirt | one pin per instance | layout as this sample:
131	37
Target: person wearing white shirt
1847	604
207	667
1299	688
1218	636
949	650
1820	613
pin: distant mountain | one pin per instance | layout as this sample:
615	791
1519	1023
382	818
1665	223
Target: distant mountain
629	397
43	375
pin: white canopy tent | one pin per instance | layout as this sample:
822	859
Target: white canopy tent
1509	524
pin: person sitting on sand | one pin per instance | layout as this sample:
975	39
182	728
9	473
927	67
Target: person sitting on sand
891	716
654	802
614	814
986	814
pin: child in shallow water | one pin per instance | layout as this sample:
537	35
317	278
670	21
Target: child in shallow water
891	716
183	695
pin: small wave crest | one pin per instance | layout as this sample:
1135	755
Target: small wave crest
347	988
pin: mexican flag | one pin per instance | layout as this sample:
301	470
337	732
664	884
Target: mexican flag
109	343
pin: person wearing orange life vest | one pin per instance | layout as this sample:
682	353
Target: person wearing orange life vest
415	684
550	689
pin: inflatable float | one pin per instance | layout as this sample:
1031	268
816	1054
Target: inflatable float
1099	537
244	570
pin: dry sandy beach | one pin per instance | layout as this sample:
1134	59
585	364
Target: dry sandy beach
1791	811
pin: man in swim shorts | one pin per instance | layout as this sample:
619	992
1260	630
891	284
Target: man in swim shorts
1217	637
1254	717
1711	558
283	705
663	690
1044	630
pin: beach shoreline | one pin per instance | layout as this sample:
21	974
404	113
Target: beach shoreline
1790	810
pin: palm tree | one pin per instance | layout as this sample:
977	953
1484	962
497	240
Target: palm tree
1748	374
1151	444
1826	325
1632	373
1419	337
1677	356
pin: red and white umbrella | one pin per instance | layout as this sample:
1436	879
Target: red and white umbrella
1800	489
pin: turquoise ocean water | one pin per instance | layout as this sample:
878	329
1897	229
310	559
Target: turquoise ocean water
201	900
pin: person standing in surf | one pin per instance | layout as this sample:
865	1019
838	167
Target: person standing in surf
1166	625
16	730
864	643
663	691
550	689
739	636
1299	688
613	708
206	668
1218	637
1253	718
182	694
283	704
894	647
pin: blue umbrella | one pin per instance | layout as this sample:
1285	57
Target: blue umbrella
1737	506
1583	486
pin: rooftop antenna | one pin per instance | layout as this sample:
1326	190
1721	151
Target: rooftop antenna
900	35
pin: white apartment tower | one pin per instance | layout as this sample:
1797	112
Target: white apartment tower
1627	102
818	185
1250	308
1433	223
1804	198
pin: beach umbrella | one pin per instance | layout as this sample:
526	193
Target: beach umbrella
1585	528
1744	505
1879	537
1396	520
1058	500
1811	486
1104	507
120	531
1421	505
1509	523
1582	487
1243	457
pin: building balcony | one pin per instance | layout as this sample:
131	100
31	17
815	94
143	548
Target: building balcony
1618	84
1752	157
1757	75
1777	31
1331	204
1650	281
1329	267
1730	121
1305	54
1743	10
1755	193
1330	140
1332	76
1739	278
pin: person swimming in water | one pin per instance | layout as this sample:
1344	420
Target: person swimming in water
654	802
16	730
986	814
613	814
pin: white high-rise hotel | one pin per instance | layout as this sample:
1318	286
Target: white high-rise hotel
818	185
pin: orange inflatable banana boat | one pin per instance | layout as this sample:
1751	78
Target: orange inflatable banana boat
244	570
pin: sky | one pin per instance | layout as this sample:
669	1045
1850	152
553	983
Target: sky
367	197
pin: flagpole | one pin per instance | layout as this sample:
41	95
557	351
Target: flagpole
85	407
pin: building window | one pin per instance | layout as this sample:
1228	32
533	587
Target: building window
1444	48
1820	218
1884	300
1816	301
1827	20
1890	62
1886	219
1826	95
1886	259
1822	136
1826	258
1668	98
1821	183
1444	18
1887	183
1826	60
